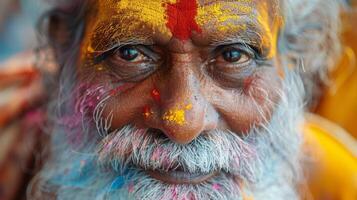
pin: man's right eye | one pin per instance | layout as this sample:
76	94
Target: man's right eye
130	54
132	62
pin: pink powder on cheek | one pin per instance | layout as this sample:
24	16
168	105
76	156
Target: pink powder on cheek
247	82
87	97
120	89
216	186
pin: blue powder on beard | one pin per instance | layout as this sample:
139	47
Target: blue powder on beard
83	172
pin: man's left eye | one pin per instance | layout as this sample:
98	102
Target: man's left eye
233	56
129	54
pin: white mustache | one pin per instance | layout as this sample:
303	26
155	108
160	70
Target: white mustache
215	151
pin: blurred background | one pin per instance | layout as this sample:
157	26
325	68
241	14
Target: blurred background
18	19
18	34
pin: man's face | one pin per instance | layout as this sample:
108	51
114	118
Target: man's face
185	67
189	73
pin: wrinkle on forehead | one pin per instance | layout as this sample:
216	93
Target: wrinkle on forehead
141	19
127	20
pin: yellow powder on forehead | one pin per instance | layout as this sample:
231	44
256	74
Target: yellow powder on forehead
224	16
152	13
121	19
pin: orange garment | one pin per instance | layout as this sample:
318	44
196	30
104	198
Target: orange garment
331	165
339	102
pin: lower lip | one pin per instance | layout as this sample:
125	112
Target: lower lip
181	177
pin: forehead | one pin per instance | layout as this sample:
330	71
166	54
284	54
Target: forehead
147	20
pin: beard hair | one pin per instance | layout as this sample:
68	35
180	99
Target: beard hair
262	164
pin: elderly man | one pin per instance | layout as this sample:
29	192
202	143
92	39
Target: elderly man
185	99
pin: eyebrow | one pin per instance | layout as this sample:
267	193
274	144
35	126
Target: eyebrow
252	35
111	34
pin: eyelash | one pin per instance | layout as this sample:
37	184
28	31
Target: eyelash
254	52
104	55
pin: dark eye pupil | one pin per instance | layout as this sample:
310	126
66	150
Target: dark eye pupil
128	53
232	55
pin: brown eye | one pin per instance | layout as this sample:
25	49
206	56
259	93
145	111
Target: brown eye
232	65
128	53
132	63
234	56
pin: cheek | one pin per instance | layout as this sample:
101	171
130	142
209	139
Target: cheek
253	105
129	104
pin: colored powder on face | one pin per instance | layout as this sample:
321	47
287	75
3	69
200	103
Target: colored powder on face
188	107
147	111
181	18
174	192
216	186
115	91
247	82
117	183
156	154
155	94
177	116
131	187
150	12
124	20
224	16
120	89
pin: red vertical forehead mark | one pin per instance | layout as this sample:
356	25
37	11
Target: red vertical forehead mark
181	18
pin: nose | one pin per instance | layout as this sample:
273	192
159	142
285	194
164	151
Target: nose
184	112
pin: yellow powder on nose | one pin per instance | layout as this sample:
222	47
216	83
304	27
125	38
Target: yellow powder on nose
189	107
176	115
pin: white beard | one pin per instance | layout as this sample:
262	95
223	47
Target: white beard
266	160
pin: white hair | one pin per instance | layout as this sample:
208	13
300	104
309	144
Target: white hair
266	160
310	40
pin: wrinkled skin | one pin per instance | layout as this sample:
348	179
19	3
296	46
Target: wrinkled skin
191	75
